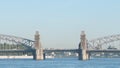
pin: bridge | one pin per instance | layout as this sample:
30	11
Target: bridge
17	46
95	46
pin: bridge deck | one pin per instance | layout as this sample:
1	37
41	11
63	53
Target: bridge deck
103	51
64	50
76	50
16	50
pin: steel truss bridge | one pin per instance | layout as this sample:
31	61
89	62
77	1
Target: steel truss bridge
12	45
100	43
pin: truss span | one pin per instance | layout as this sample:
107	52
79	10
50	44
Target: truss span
7	39
97	43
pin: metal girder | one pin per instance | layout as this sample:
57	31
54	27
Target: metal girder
16	40
97	43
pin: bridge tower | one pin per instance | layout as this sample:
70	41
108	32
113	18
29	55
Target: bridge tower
38	55
83	55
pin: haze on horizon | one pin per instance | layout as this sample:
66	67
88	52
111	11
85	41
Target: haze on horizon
60	22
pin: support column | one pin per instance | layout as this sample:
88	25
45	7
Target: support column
83	55
38	54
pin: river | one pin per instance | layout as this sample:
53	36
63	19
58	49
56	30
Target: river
61	63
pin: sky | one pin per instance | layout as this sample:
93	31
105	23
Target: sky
60	22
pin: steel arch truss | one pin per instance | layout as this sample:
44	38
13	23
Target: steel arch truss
97	43
13	40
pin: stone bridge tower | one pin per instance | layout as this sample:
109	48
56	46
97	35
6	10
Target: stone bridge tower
38	55
83	55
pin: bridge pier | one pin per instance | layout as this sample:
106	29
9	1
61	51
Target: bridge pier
83	55
44	56
38	53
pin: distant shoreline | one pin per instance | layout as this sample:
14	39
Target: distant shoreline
16	57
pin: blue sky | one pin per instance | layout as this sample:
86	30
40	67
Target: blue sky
60	21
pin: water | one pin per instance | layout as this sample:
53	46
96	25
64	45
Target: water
61	63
